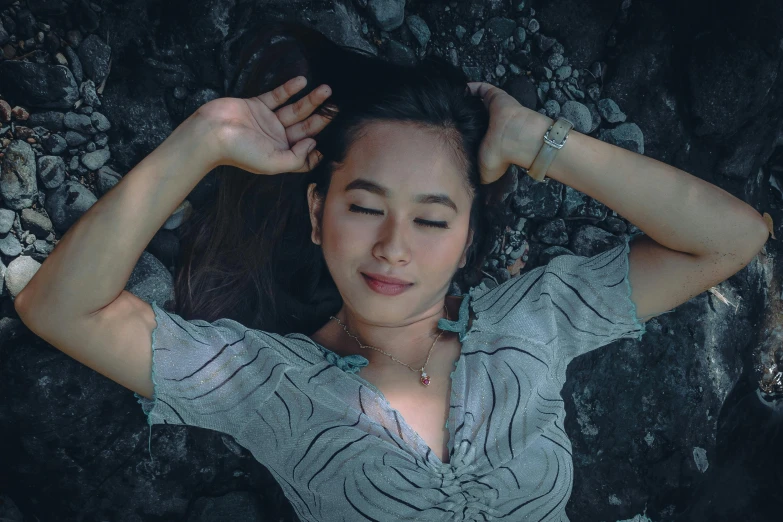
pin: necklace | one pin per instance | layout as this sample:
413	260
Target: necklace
425	379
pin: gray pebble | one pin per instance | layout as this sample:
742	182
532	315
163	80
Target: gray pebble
77	122
96	160
74	139
577	114
520	35
101	139
54	144
610	111
555	60
51	171
100	121
476	38
419	28
6	220
10	246
563	72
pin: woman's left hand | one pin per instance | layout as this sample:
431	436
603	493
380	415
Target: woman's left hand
503	141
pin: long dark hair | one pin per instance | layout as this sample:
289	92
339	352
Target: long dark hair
248	255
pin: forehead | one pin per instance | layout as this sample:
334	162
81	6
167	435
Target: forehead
407	159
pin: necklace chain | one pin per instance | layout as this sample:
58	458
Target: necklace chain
425	380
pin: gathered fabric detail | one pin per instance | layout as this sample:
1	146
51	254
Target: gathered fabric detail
459	325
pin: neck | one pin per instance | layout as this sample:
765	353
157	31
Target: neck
408	340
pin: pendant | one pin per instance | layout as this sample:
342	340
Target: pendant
425	380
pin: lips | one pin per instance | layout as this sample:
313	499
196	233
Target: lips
386	279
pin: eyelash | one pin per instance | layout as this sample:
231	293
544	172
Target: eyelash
362	210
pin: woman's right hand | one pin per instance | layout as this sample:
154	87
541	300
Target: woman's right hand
258	136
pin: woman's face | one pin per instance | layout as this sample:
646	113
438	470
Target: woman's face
388	172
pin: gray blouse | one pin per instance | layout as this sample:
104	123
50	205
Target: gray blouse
341	452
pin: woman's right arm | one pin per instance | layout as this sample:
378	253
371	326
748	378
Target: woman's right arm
91	264
77	302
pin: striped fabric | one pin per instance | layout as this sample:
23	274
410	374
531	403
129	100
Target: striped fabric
338	449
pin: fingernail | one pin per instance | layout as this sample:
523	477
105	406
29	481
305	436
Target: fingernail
310	148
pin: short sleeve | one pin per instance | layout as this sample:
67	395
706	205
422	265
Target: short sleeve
572	305
590	299
214	375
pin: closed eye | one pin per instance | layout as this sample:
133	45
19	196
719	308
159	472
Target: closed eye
422	222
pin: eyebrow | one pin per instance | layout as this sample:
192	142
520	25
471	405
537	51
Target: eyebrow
371	186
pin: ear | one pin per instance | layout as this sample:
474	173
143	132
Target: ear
464	259
314	203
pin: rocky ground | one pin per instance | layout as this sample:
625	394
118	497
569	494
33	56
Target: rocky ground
671	427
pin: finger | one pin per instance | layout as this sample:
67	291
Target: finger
279	95
485	91
294	159
307	129
300	110
312	160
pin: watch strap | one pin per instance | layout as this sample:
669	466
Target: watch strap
554	139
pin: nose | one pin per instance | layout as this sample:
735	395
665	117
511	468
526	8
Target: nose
393	245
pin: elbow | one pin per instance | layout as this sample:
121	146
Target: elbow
18	303
763	235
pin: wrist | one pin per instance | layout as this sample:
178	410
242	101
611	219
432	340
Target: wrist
202	137
530	139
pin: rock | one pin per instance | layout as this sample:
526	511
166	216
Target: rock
400	54
5	111
76	64
19	272
419	28
78	122
577	114
563	72
552	109
520	35
89	94
610	111
75	139
533	26
150	280
477	36
52	120
6	220
19	113
68	203
700	458
500	28
387	14
555	60
10	245
626	135
342	24
51	171
18	184
54	144
96	160
107	178
95	54
460	32
35	222
36	85
100	122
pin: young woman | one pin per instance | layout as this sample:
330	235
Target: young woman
329	345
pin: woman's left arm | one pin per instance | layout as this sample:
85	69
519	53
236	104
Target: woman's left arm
675	208
697	233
